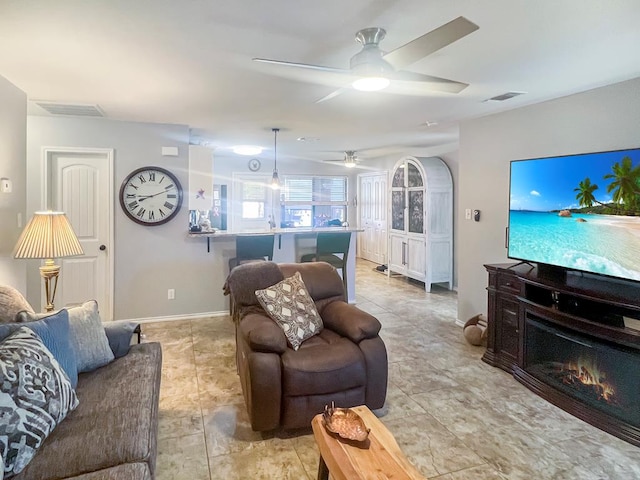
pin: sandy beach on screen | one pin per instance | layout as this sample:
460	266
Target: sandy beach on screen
631	224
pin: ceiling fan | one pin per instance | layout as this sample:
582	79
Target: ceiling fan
372	69
350	159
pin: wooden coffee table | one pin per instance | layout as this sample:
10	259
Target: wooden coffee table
379	457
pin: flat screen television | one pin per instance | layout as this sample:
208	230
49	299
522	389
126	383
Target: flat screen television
577	212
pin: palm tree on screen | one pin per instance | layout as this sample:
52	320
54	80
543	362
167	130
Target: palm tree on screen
626	184
585	193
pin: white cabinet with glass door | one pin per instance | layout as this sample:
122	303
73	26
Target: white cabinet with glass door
421	220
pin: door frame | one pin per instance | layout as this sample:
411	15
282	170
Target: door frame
107	154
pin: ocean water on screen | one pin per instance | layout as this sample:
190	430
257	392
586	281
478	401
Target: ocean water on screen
606	244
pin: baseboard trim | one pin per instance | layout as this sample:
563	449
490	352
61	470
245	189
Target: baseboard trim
175	318
460	323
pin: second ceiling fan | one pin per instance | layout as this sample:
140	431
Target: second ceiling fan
372	69
350	159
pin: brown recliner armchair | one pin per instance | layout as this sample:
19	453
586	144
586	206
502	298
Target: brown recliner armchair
345	363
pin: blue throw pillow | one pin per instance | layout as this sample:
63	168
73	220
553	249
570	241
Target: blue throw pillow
54	332
87	335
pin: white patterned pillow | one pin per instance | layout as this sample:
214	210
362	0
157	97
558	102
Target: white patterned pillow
35	396
289	304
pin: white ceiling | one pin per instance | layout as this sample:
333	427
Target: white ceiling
189	62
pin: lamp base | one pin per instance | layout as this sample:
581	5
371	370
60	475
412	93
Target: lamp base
49	272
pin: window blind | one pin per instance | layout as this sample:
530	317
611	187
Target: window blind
298	189
308	189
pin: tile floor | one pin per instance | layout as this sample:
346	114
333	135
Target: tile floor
454	416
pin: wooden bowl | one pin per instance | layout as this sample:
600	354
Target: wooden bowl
345	423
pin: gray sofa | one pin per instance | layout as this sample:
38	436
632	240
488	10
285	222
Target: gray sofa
112	433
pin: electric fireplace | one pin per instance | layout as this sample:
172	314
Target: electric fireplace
572	339
601	375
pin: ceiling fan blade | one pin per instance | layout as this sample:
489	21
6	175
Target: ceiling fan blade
430	42
332	95
435	83
303	65
357	166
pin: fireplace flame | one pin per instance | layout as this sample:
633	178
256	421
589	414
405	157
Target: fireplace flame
586	375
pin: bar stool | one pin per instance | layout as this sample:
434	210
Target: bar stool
332	248
251	248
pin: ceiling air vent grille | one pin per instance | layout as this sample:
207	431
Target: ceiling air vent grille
71	109
504	96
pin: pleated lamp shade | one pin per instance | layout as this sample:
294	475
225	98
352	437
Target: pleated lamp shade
48	235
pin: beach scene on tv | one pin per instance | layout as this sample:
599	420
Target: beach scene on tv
580	211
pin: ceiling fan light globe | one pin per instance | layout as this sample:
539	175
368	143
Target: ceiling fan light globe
370	84
350	164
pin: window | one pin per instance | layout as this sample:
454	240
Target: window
254	196
313	201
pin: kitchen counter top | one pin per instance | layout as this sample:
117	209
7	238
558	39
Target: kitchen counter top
273	231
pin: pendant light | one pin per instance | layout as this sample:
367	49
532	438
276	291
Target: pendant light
275	181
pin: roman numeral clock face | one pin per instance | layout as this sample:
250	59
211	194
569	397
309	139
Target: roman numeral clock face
151	196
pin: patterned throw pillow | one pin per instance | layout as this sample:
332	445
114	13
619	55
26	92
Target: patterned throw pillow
35	396
289	304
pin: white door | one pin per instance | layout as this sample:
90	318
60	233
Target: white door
252	203
80	183
372	204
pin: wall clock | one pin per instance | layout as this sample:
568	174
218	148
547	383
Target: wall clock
151	196
254	164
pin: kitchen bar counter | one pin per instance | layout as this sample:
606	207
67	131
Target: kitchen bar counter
289	245
274	231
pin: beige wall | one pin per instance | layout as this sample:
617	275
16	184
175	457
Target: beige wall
13	121
606	118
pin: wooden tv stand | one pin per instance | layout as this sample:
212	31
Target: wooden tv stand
587	306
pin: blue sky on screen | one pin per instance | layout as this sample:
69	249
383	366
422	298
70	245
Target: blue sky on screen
548	183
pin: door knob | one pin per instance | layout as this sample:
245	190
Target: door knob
103	247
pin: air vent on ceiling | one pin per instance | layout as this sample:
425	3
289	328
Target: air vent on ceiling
504	96
71	109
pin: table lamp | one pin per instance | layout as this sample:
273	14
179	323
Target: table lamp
48	235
